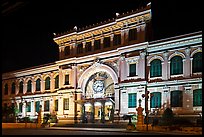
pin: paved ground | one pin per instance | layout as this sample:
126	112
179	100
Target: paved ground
80	131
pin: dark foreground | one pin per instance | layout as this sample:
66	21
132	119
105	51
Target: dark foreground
78	131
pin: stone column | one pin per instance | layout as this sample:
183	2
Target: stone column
122	66
165	72
92	112
122	37
111	40
103	111
52	83
32	105
60	78
33	85
84	46
187	64
141	65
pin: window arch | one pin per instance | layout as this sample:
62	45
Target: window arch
13	88
197	62
155	68
6	89
197	97
176	65
57	82
176	98
47	83
38	84
21	87
155	100
29	86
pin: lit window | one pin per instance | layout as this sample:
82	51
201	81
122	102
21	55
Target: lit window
66	103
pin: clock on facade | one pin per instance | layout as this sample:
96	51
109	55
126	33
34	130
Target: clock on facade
98	86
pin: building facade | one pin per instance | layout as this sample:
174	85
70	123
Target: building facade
104	69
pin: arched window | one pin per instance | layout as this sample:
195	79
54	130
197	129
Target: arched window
13	88
57	82
47	83
176	98
29	86
197	97
155	101
156	68
21	87
38	84
6	89
176	65
197	62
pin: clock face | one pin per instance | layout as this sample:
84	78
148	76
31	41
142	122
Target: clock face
98	86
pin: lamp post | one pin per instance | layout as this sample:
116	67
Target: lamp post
146	95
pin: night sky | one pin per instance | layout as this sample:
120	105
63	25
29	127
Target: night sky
27	32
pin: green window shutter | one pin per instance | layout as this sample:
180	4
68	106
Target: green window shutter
132	100
37	106
29	86
197	97
176	98
47	83
38	85
156	68
132	70
155	100
197	62
57	82
28	107
176	65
